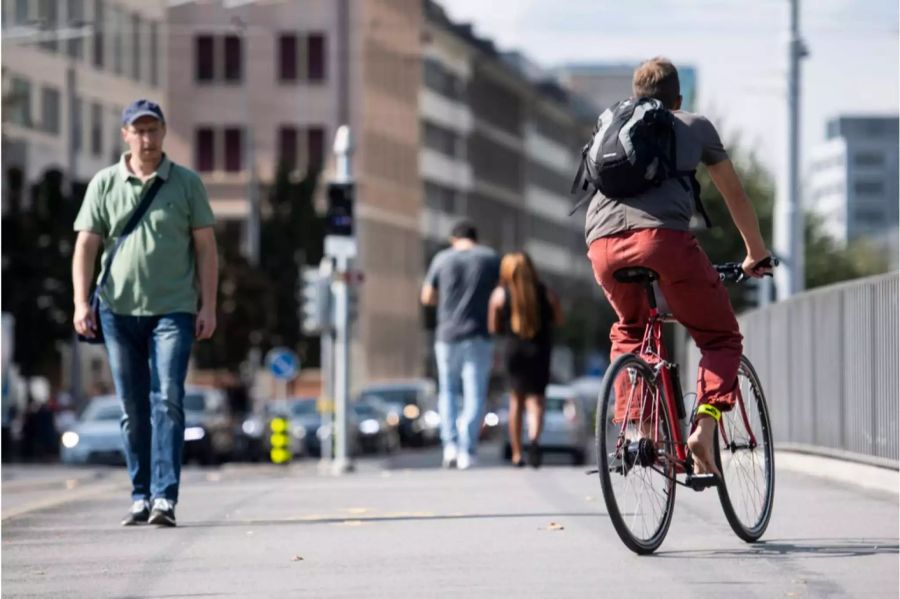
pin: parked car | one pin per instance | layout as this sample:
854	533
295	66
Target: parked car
567	428
209	429
377	432
96	437
412	403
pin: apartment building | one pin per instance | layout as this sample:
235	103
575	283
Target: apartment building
500	143
68	70
853	180
264	83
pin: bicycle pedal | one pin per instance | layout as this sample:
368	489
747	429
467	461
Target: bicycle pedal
700	482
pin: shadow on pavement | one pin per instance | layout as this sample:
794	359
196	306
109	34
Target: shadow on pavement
387	518
797	548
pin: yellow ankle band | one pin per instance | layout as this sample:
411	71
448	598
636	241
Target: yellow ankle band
709	411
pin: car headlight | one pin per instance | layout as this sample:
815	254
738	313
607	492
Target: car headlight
369	426
299	431
432	419
411	411
491	419
392	419
194	433
70	439
251	428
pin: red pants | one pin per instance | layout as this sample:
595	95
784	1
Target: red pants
693	292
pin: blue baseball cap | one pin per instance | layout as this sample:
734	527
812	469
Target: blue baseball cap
140	108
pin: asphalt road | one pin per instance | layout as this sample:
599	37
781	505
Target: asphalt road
403	528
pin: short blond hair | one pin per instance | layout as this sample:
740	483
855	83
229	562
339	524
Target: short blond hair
657	78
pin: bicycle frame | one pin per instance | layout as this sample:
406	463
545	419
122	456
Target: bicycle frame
654	351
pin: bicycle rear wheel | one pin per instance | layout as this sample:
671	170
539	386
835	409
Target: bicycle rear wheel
745	456
634	455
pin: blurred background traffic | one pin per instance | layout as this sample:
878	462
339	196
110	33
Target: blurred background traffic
449	123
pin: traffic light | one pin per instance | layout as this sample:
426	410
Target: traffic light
339	213
280	441
316	302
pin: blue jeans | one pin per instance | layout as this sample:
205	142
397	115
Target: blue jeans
464	368
148	356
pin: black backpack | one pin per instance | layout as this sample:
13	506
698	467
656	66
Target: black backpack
633	149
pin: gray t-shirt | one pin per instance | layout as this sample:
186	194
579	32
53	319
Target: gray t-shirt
464	280
669	206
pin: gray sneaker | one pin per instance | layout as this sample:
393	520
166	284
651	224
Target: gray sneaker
163	512
139	514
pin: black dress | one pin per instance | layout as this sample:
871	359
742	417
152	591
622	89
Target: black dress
528	360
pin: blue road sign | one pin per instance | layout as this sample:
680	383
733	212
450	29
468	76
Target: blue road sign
282	363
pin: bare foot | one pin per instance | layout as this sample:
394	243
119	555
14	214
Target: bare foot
701	445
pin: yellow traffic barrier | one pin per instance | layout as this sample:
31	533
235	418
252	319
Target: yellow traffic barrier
280	441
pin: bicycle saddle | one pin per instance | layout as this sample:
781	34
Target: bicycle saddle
635	274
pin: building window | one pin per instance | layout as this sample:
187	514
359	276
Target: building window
18	102
75	46
48	16
98	33
205	158
233	149
117	145
154	48
233	58
50	110
440	198
869	159
436	77
287	147
76	124
204	58
315	147
315	56
21	12
118	46
136	47
287	57
96	129
302	58
441	139
869	187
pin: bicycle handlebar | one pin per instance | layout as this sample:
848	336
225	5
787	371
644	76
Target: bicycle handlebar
733	272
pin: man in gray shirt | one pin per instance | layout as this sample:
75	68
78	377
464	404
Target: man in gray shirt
460	280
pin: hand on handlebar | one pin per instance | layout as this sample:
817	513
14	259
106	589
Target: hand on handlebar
759	267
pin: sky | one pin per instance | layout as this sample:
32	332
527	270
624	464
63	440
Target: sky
739	48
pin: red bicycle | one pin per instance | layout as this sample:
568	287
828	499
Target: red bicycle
641	459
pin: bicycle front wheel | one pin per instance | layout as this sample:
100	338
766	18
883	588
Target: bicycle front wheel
745	456
635	454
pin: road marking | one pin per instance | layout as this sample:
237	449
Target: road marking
55	501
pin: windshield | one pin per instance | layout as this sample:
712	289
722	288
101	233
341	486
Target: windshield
194	402
365	411
394	397
103	411
304	408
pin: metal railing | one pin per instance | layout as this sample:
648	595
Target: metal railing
828	361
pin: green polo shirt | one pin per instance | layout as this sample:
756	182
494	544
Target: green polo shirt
154	272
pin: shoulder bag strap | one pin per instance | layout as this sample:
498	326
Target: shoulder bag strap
130	226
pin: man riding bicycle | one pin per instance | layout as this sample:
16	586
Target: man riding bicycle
652	230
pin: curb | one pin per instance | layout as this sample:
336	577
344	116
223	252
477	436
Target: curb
866	476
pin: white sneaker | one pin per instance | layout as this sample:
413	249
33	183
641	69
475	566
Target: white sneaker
450	455
465	460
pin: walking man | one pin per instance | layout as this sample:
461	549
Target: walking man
158	296
460	280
